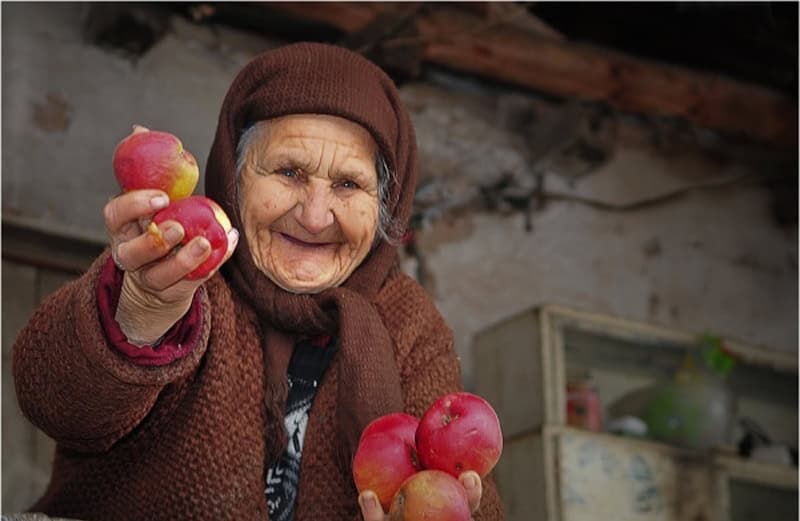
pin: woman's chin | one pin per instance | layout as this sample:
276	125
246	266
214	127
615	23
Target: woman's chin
304	285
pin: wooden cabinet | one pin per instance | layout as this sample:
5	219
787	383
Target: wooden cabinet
550	471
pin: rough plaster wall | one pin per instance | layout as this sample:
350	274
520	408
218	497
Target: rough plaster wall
714	272
711	260
708	261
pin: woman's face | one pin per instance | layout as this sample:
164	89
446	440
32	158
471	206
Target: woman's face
309	200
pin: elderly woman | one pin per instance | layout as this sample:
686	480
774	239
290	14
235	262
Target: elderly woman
242	396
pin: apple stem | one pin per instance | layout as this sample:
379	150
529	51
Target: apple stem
448	418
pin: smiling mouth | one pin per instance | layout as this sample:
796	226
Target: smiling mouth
305	244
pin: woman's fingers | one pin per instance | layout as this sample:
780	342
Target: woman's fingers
472	483
122	213
194	258
140	253
148	246
371	509
174	268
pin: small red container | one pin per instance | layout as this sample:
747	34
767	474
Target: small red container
584	409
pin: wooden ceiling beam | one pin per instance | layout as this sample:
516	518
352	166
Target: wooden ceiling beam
465	41
345	16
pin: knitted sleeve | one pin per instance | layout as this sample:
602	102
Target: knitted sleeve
428	362
70	380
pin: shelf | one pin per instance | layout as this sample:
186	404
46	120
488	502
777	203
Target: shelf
536	350
554	472
780	476
734	466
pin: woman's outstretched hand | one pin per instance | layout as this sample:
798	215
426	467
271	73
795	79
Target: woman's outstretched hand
155	293
371	509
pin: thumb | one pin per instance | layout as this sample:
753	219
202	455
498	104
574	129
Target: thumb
371	509
472	483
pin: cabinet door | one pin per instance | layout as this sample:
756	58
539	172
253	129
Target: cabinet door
27	452
751	501
521	479
755	491
601	477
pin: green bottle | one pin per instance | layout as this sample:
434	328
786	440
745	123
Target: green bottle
697	408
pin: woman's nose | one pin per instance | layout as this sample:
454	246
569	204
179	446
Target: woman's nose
314	211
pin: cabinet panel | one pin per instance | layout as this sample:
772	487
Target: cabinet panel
27	452
19	301
756	502
601	477
509	374
520	474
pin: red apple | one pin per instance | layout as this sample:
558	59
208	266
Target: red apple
460	432
153	159
398	423
430	495
386	456
199	216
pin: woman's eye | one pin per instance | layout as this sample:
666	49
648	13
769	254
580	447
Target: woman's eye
291	173
348	184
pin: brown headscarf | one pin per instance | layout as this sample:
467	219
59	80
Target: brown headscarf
310	78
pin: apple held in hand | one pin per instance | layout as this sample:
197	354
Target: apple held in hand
430	495
386	456
200	216
460	432
398	423
154	159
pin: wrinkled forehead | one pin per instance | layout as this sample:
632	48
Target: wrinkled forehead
332	129
305	135
306	139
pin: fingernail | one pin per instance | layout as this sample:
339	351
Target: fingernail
371	501
199	247
158	202
233	238
471	481
368	500
172	234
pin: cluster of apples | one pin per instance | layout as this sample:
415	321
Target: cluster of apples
151	159
413	465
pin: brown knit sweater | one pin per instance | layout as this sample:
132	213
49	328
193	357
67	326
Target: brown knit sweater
186	440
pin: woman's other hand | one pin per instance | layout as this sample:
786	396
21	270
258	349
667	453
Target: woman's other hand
371	508
155	294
